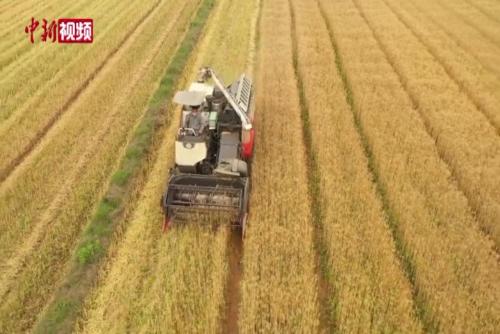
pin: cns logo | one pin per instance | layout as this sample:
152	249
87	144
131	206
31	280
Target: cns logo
66	30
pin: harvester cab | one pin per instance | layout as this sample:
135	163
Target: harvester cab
213	150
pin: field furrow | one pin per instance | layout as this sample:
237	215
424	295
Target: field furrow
180	276
447	258
35	117
470	39
33	68
42	174
374	197
370	290
143	61
15	43
465	139
11	12
279	287
480	85
485	25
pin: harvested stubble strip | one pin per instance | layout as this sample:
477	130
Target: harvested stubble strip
468	37
465	139
488	27
33	117
31	71
279	288
159	283
105	226
134	75
448	259
372	293
181	276
36	117
480	84
26	195
16	45
15	15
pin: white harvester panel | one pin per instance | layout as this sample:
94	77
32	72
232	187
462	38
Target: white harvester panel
189	153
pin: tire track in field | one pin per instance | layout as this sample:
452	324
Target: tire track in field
232	294
421	305
235	245
7	171
325	290
462	88
427	124
14	263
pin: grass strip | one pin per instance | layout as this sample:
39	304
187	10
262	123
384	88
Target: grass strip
67	303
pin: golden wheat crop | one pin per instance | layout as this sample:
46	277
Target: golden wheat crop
375	198
31	70
481	85
84	174
465	138
14	19
356	235
279	287
180	277
43	99
469	38
486	25
432	217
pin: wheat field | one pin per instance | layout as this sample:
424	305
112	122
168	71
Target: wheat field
375	197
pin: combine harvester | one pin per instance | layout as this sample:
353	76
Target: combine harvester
213	150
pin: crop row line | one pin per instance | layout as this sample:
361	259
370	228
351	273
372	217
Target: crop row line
446	154
465	36
483	11
449	6
422	309
124	186
465	88
8	169
326	294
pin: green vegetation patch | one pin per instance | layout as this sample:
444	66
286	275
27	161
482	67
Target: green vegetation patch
67	304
